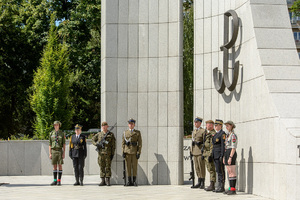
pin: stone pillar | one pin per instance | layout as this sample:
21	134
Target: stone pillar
141	77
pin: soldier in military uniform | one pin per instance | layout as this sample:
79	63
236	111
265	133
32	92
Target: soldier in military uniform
218	153
106	146
131	146
197	144
57	146
207	153
78	153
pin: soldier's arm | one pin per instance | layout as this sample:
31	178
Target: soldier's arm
95	139
140	143
123	143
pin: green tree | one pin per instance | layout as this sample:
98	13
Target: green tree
188	64
51	87
295	8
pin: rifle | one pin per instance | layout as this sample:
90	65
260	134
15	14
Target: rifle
202	149
124	171
192	173
100	145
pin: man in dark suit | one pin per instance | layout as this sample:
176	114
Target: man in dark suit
218	153
78	153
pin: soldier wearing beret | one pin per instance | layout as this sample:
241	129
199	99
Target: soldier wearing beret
218	153
197	145
207	153
57	146
106	146
131	146
230	157
78	153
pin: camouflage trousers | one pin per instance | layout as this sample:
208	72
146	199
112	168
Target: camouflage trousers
211	169
105	165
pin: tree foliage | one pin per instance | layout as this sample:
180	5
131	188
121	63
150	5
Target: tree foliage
295	8
51	87
188	64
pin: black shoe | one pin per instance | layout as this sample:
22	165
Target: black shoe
76	183
58	183
226	191
107	181
134	182
202	183
53	183
198	184
220	188
81	183
231	192
129	183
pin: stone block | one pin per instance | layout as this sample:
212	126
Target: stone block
163	12
207	23
122	41
143	40
46	166
143	173
111	40
199	103
199	36
174	37
119	138
162	145
175	135
274	39
198	9
132	75
174	10
143	11
110	70
176	175
32	158
109	110
221	6
266	2
163	40
133	12
143	74
207	101
153	143
163	171
133	41
132	105
122	105
153	75
282	73
153	40
175	107
4	145
283	57
198	72
152	109
207	9
163	74
214	7
153	10
215	44
122	75
163	109
118	176
207	71
92	159
263	16
16	158
144	134
284	86
142	109
123	12
152	173
111	16
174	74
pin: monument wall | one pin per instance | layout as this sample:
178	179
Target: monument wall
141	78
265	103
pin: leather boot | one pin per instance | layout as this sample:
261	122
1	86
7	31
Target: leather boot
77	181
53	183
102	181
129	183
231	192
202	183
211	187
198	184
81	181
220	188
107	181
134	181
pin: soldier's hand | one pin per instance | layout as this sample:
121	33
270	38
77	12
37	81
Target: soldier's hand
210	159
124	155
50	156
137	156
63	156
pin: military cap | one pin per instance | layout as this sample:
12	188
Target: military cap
218	121
231	123
131	120
198	119
78	126
209	121
57	122
104	124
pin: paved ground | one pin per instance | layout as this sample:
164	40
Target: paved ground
37	188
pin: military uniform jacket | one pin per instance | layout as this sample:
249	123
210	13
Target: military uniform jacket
132	142
208	145
77	146
110	147
197	141
219	144
57	139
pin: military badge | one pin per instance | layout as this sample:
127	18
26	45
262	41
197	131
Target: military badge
81	140
217	140
224	136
